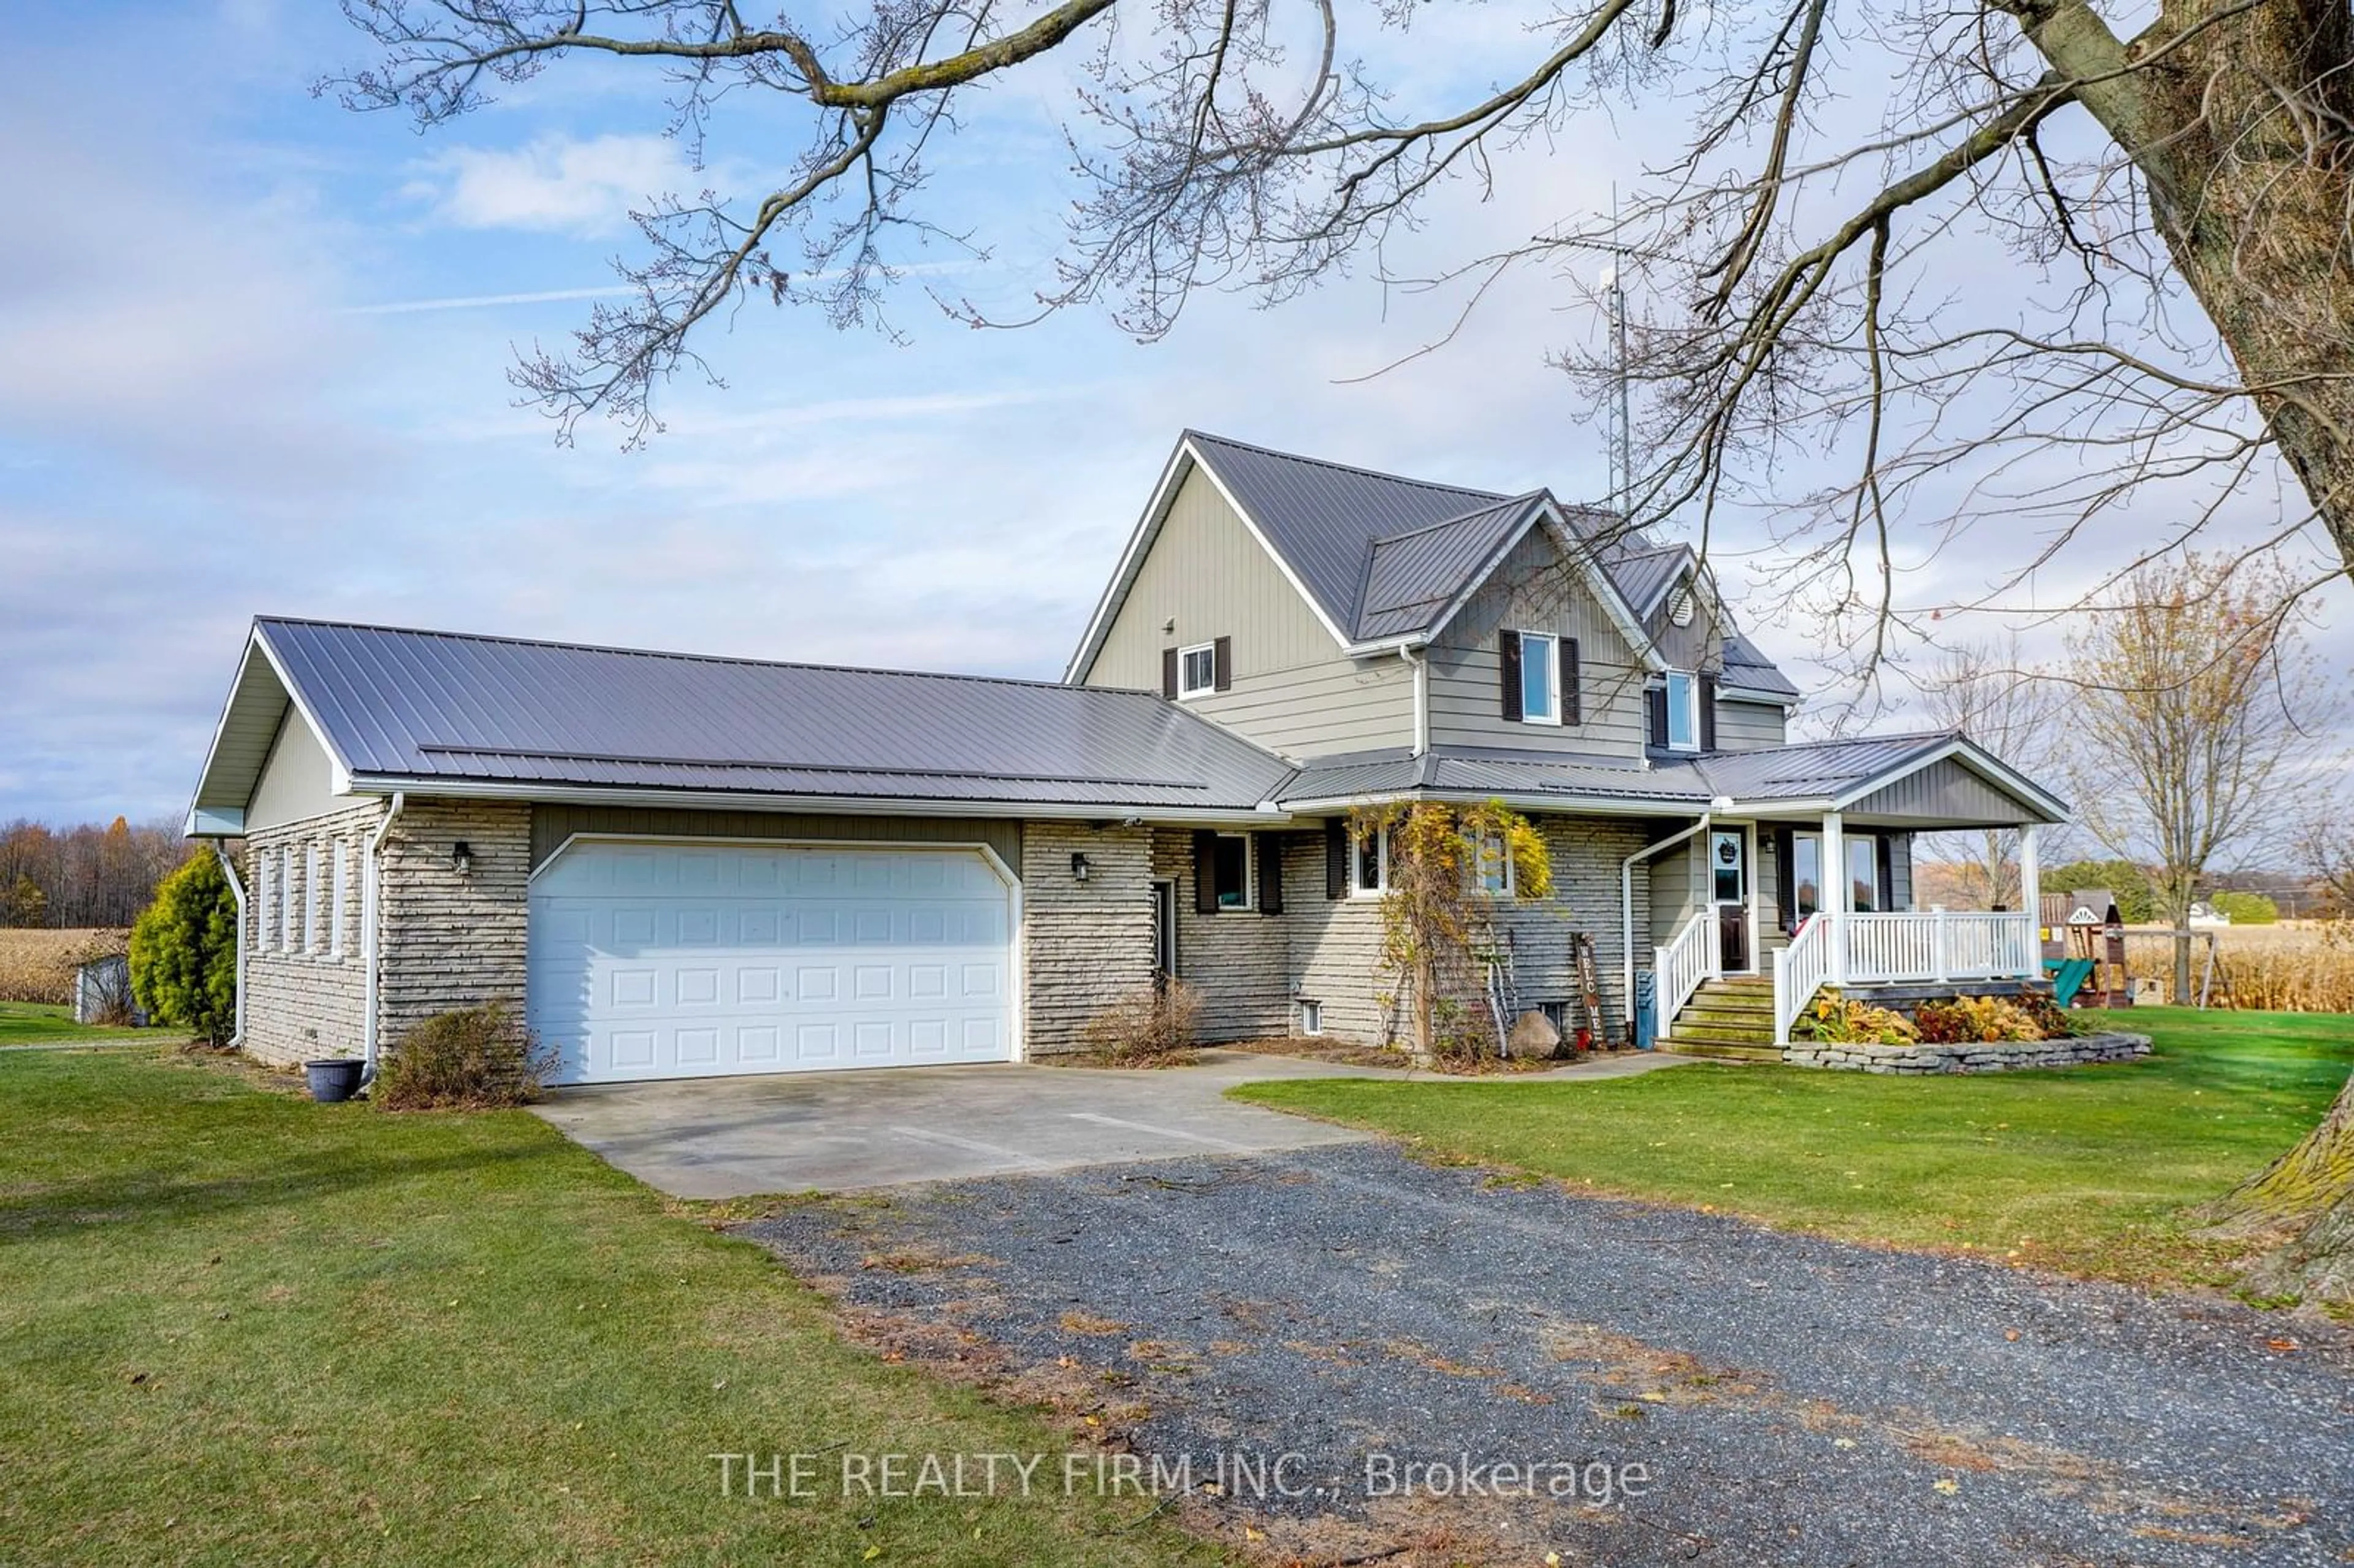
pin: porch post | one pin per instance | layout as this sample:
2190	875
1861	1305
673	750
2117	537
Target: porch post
2031	896
1836	894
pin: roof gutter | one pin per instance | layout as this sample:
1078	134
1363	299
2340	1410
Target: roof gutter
454	788
237	890
372	884
1626	907
1586	806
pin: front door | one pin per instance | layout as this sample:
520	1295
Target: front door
1728	877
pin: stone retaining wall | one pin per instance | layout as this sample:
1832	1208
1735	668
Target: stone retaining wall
1972	1056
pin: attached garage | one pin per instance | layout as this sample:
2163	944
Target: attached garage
668	959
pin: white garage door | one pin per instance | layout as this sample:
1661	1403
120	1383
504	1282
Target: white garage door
680	961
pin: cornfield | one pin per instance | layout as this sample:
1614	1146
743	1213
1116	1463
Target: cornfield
38	965
2304	966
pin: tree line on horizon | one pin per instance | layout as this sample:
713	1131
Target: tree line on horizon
87	874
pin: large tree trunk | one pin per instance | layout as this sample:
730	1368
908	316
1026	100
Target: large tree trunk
2304	1203
2242	125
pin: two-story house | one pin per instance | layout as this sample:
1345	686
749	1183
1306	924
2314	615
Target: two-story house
682	866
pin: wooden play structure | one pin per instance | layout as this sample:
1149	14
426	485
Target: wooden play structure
2084	938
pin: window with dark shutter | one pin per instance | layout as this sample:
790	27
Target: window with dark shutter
1708	713
1888	871
1271	874
1169	673
1572	712
1508	657
1336	858
1786	881
1205	873
1656	699
1222	657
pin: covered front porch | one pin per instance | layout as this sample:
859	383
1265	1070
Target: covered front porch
1759	904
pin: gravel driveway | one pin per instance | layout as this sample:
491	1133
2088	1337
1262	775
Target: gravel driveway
1792	1399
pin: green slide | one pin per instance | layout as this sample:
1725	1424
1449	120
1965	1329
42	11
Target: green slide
2067	977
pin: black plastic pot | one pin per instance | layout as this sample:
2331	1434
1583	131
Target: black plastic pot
334	1078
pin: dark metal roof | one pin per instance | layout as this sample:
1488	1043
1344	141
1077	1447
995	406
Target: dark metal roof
1411	578
1808	771
423	706
1747	666
1384	556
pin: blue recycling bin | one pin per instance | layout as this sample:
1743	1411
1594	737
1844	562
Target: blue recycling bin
1646	1009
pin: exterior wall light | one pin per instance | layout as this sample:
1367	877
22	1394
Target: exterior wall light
461	859
1080	869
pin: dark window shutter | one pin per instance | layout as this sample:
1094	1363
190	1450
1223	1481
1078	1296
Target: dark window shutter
1887	871
1169	673
1708	713
1205	873
1656	700
1785	880
1336	858
1270	847
1222	661
1507	660
1572	712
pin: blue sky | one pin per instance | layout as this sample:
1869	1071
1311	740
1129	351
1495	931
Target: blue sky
254	356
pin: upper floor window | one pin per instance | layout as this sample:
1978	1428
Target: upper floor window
1683	711
1539	677
1197	670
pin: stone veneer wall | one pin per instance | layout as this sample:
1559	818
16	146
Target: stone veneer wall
1086	943
1995	1056
447	939
1253	968
1237	958
306	999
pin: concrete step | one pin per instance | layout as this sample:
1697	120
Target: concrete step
1720	1050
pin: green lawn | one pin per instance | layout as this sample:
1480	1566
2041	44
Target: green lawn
27	1022
2086	1169
239	1328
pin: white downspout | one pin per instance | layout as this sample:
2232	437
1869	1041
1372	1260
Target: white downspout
237	890
1420	659
372	884
1627	906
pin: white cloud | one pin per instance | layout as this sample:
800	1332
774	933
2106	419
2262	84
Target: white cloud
555	183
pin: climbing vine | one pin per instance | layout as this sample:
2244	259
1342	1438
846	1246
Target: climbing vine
1443	866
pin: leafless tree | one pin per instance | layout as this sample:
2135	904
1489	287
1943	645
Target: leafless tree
2203	167
1989	692
2193	697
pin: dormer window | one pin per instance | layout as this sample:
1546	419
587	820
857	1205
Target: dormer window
1683	711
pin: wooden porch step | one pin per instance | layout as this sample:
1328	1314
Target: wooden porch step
1739	1033
1721	1051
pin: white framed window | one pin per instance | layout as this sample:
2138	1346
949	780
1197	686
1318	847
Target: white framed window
1540	678
1683	711
1863	889
1491	867
263	887
1231	871
338	909
1197	670
287	894
1312	1017
310	902
1369	864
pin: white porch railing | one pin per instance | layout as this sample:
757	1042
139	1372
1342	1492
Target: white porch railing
1929	946
1936	944
1799	970
1688	959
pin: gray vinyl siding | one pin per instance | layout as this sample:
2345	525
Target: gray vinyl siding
1945	794
1698	645
1536	591
1749	726
1293	690
551	825
1899	871
1675	890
